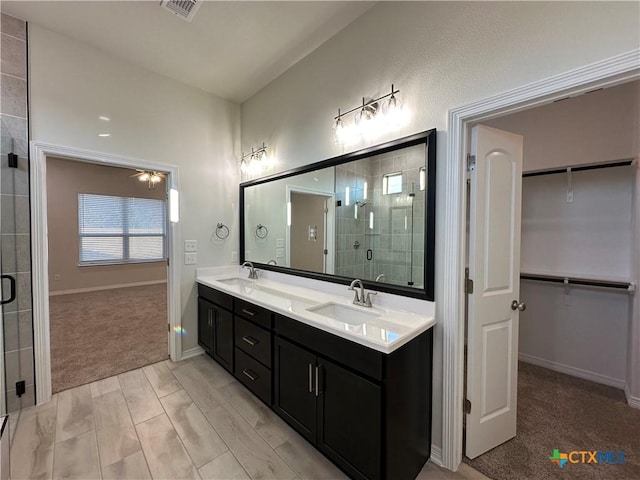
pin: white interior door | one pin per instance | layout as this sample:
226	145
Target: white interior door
494	267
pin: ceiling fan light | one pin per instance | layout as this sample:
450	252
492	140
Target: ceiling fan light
155	178
144	177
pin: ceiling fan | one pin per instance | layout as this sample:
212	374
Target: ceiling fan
149	176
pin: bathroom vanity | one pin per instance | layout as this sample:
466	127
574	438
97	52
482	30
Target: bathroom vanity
354	381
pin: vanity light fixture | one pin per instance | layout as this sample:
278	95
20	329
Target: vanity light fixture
374	116
254	162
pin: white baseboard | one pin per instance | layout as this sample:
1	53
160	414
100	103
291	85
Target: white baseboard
436	455
192	352
106	287
573	371
631	400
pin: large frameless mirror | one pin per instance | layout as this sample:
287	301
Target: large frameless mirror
368	215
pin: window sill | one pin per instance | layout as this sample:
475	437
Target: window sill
120	262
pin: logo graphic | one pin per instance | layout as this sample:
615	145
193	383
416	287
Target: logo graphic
584	456
558	458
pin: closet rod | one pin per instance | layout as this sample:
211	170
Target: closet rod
578	168
579	281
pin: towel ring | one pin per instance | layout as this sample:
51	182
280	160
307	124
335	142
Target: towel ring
262	231
222	231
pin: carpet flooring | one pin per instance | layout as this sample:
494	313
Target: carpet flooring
560	411
95	335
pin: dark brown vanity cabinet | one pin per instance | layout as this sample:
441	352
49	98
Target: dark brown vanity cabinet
215	325
334	408
369	412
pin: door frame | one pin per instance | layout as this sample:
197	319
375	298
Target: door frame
39	152
618	69
330	221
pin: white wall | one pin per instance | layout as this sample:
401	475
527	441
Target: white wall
596	127
440	56
152	118
578	330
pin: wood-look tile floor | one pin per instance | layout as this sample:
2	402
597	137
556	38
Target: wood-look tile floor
168	421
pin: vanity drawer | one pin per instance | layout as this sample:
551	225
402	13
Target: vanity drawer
254	340
215	296
253	375
254	313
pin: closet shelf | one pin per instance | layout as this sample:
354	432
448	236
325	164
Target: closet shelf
577	168
567	280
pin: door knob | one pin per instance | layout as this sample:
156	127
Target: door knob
518	306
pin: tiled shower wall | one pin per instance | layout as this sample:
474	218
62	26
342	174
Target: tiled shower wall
393	254
15	253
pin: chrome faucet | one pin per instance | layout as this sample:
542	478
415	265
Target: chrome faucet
253	273
360	298
380	277
272	262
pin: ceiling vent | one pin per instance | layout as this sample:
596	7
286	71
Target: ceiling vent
185	9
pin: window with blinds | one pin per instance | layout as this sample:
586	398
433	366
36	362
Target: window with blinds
121	229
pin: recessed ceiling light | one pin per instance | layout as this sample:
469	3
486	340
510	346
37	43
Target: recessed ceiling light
104	134
105	119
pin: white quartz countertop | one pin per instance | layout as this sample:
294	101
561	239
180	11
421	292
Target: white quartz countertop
380	328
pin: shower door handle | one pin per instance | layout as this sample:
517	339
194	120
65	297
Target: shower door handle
12	289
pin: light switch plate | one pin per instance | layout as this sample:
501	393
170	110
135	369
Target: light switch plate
234	257
190	245
279	252
190	258
280	242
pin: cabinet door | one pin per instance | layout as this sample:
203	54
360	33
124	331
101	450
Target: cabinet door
294	387
223	337
349	421
205	325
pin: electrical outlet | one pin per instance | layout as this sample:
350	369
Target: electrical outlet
567	300
234	257
56	276
190	258
190	245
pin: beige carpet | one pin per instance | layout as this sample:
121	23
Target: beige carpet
95	335
567	413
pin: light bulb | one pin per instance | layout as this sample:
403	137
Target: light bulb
339	130
155	178
144	177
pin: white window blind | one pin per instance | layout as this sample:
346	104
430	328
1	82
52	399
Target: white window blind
120	229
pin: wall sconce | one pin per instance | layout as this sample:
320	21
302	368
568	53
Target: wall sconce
254	162
370	119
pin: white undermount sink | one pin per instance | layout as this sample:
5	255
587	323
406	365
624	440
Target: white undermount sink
234	281
344	313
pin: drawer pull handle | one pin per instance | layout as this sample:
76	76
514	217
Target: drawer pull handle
317	375
310	378
248	312
248	373
250	340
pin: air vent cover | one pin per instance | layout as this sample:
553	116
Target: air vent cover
185	9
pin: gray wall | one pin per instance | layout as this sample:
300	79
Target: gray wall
15	225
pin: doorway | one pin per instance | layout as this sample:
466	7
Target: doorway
576	238
310	229
608	72
107	270
42	342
